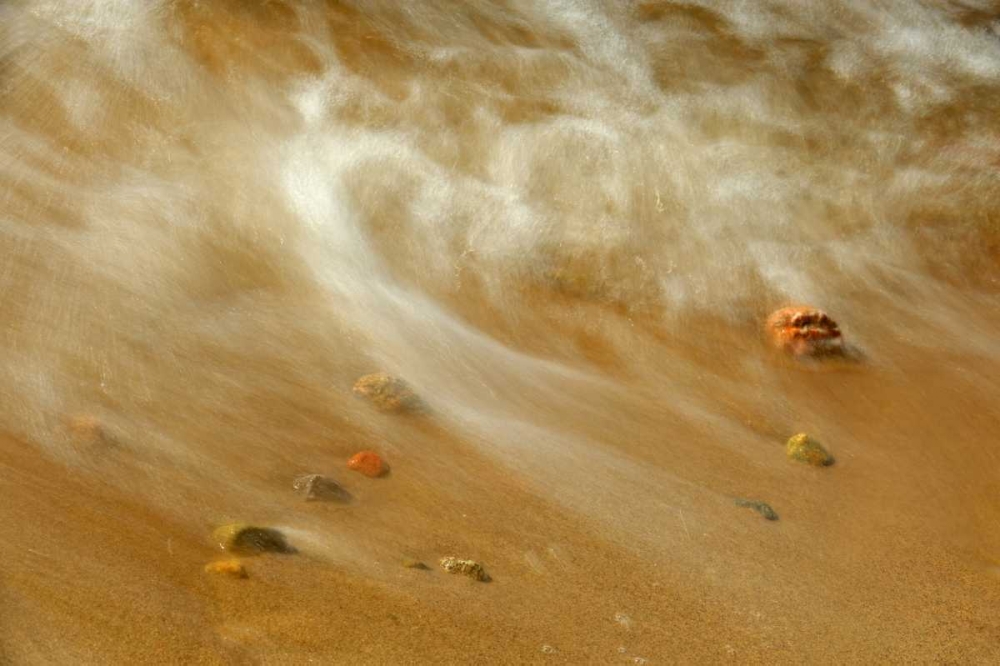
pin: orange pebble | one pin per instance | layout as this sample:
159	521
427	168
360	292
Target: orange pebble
368	463
804	331
231	568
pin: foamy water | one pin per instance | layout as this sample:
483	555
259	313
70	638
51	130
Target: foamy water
563	224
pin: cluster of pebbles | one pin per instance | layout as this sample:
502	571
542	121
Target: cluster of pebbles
388	394
804	333
801	332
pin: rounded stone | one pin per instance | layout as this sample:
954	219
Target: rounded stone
368	463
232	568
805	449
242	538
804	331
318	488
470	568
87	430
411	563
388	393
763	508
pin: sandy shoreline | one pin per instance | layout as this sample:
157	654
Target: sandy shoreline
876	558
564	225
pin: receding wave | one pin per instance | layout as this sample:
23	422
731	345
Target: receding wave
559	229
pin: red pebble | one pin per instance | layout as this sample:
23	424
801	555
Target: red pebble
368	463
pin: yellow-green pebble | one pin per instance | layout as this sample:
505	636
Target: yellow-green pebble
805	449
411	563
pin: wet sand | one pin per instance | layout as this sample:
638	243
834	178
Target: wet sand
889	555
564	227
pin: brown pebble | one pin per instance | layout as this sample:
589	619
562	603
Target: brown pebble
368	463
86	430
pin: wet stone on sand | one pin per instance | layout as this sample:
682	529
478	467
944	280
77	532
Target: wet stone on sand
368	463
231	568
242	538
87	431
388	393
805	449
319	488
470	568
762	508
804	331
411	563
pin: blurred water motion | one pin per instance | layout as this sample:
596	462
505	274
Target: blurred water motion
563	225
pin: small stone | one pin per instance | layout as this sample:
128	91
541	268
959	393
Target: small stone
548	649
232	568
388	393
804	331
241	538
316	487
805	449
368	463
468	568
762	508
415	564
87	430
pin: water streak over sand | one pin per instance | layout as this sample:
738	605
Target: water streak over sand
563	224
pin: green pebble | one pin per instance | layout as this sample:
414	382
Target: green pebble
762	508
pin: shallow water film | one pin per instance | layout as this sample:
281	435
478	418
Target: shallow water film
439	332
